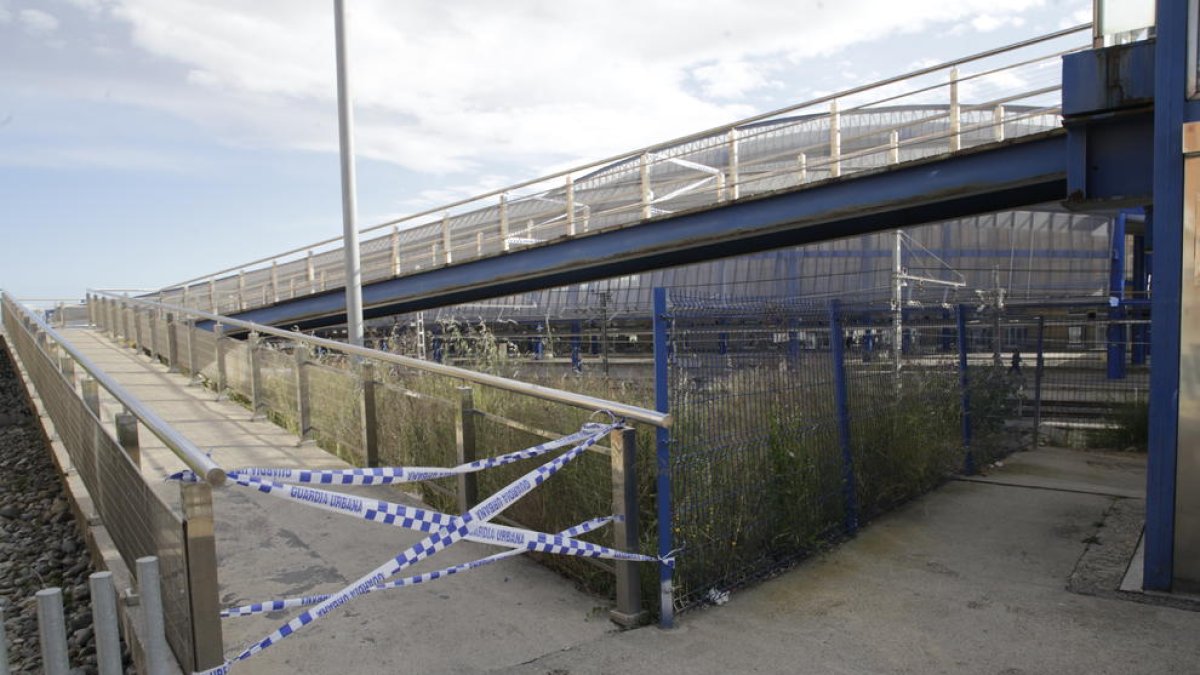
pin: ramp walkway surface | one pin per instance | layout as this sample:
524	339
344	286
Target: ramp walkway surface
1014	572
498	616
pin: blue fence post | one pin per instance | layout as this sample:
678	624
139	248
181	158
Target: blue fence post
841	402
1116	290
666	537
964	381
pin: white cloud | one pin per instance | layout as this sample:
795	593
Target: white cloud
453	87
37	23
732	79
986	23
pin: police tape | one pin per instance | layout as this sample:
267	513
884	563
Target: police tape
457	529
390	475
289	603
424	520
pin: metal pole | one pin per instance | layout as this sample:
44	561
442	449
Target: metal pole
842	406
964	382
898	302
354	319
4	643
52	631
154	637
666	533
1037	381
467	483
104	613
628	612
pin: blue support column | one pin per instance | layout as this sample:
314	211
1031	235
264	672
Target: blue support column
1170	82
666	536
1115	334
842	407
964	382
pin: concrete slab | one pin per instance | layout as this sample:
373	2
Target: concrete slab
495	617
968	579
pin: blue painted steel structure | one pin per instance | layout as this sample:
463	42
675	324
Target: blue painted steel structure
964	383
662	388
1116	288
1170	112
1028	170
841	403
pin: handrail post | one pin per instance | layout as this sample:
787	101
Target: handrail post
212	296
628	612
219	346
894	147
153	314
955	123
106	621
256	397
644	179
130	339
370	429
90	393
835	140
241	290
172	344
731	143
66	365
310	272
468	484
91	309
998	121
274	281
127	436
802	168
193	360
395	250
447	245
504	222
570	198
200	551
303	402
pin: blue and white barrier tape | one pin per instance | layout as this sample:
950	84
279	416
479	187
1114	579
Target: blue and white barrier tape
423	520
390	475
279	605
459	527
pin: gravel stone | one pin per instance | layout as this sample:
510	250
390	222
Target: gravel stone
40	543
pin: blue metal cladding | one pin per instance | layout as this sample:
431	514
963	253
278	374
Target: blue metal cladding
1170	83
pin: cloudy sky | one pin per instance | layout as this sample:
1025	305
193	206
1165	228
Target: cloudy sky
143	142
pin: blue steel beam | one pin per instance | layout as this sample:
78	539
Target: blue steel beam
1017	173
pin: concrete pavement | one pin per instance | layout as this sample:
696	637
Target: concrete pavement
971	578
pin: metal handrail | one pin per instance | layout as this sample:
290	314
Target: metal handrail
196	459
701	135
630	412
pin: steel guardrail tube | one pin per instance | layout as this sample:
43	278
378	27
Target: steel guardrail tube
629	412
196	459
